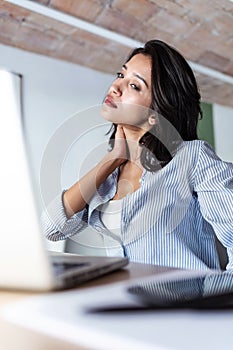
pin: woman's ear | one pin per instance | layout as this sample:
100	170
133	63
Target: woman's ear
152	120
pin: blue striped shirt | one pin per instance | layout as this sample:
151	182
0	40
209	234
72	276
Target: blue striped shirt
172	219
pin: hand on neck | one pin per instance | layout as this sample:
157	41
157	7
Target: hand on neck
133	135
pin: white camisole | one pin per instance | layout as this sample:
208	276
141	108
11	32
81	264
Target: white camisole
111	218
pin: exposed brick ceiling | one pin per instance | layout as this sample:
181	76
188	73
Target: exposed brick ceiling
202	30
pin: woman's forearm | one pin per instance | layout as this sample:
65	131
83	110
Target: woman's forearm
76	198
78	195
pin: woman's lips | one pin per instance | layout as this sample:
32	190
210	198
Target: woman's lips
109	101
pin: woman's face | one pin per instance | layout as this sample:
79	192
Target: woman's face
129	98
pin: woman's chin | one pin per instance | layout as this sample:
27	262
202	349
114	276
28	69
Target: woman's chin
110	115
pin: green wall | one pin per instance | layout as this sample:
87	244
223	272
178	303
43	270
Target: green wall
205	125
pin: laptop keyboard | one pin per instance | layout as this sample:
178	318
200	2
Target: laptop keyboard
64	266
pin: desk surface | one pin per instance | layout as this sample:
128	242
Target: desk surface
15	337
71	326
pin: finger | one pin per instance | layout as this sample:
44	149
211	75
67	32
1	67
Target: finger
120	132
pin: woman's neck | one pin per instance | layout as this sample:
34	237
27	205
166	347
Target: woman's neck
132	137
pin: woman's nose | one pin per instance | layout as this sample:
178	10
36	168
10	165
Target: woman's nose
116	89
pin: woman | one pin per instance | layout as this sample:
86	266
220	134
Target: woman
160	193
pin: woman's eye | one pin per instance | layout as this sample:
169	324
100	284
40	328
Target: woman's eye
135	87
120	75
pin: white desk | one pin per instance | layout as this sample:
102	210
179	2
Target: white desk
71	327
17	338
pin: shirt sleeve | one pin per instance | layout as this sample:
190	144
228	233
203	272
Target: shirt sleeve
55	224
214	186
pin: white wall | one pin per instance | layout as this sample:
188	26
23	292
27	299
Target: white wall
223	128
53	90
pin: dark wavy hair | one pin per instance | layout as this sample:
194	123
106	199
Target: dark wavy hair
175	102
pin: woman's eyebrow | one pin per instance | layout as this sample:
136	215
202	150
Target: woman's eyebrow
136	75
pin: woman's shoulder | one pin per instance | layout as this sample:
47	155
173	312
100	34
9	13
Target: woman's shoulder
194	154
195	144
196	147
204	155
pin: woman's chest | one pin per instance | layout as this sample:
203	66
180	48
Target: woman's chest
128	181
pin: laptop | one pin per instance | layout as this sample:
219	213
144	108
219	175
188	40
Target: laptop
25	263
